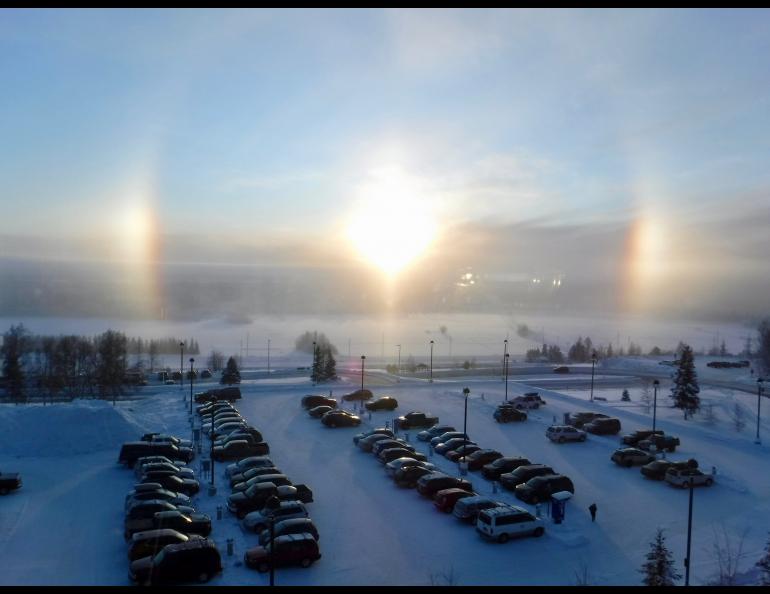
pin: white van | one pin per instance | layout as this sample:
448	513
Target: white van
501	523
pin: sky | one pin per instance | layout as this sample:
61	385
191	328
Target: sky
392	137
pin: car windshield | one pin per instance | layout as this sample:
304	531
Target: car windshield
485	519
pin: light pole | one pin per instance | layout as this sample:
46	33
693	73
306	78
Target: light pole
466	391
211	452
760	381
268	356
399	358
181	366
655	385
313	368
507	356
363	359
272	504
431	361
505	352
689	539
191	383
593	364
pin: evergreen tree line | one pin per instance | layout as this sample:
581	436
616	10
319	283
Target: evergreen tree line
324	365
162	346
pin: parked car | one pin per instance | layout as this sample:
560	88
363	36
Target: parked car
131	451
9	481
502	523
384	444
656	469
505	413
530	400
445	499
378	431
313	400
463	451
658	442
444	437
197	559
434	431
257	521
184	523
164	467
405	462
605	426
453	444
251	473
681	477
158	460
279	480
409	475
631	457
579	419
430	484
383	403
468	509
541	488
240	449
367	443
250	434
304	493
289	549
340	418
390	454
561	369
255	497
163	494
141	515
165	438
149	543
172	483
563	433
205	374
250	462
416	419
493	470
481	457
511	480
318	411
634	438
290	526
362	394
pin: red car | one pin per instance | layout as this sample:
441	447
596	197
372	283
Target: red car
445	499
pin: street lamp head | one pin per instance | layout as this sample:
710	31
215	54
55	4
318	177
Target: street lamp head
466	391
431	342
181	344
594	356
656	383
363	357
192	360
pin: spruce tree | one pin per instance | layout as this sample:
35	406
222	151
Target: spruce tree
659	568
330	366
231	375
685	389
15	343
764	566
315	372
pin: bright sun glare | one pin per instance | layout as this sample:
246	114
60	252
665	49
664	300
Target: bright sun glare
393	224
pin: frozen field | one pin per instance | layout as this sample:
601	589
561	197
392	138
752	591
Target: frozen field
65	525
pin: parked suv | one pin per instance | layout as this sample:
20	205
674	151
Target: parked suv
505	413
257	521
681	477
529	400
501	523
510	480
240	448
493	470
634	438
197	559
416	419
541	488
430	484
313	400
658	442
579	419
631	457
445	499
608	426
150	542
384	403
256	496
378	431
289	549
468	509
290	526
434	431
562	433
132	450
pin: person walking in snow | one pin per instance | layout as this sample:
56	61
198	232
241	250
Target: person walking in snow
592	508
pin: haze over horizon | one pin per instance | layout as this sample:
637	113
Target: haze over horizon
164	163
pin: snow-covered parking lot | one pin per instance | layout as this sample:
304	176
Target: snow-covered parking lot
65	525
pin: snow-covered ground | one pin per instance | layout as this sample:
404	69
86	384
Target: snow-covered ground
65	525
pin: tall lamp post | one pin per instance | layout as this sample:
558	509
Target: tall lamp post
689	540
466	391
191	383
399	359
655	385
505	352
760	381
593	364
181	365
268	356
211	453
272	504
507	356
431	361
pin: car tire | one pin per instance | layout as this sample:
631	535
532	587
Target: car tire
538	531
203	577
503	538
561	440
241	514
306	562
263	568
671	450
582	438
709	482
629	463
4	491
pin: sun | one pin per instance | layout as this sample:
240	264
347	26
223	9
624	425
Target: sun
393	224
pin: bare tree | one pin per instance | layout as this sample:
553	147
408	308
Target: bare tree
582	577
445	578
737	417
727	554
708	414
646	397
